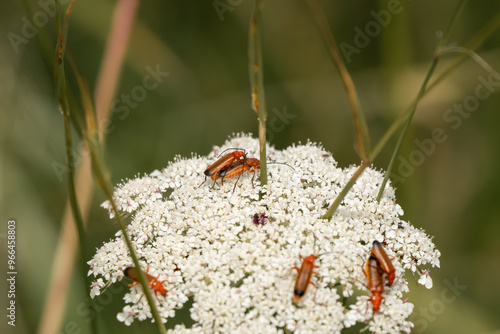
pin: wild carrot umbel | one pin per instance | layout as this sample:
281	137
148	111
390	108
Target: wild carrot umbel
204	241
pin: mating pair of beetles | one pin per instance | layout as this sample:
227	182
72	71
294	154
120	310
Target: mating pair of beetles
377	264
230	165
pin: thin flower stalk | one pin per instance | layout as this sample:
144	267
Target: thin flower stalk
64	107
475	42
420	95
345	190
405	128
103	178
257	83
361	128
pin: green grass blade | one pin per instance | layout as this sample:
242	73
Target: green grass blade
475	42
420	95
62	97
361	128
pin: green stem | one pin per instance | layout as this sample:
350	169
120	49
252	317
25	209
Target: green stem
65	110
361	128
405	128
420	95
345	190
103	179
475	42
362	135
257	83
75	209
100	170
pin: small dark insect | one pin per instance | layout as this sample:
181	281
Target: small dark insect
260	219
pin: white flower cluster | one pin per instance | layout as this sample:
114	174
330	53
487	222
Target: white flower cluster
208	244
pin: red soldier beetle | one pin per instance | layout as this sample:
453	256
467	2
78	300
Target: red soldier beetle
154	284
239	167
222	163
374	274
384	261
304	275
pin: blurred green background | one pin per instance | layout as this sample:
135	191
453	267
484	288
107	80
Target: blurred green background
449	188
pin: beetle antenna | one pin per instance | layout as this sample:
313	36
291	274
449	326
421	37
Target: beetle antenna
231	148
279	163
